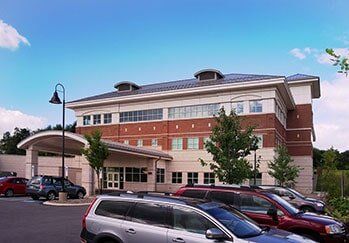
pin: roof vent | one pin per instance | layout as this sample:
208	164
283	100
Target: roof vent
208	74
125	86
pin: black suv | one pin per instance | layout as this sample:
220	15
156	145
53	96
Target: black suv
49	186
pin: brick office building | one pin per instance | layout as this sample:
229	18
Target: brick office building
176	118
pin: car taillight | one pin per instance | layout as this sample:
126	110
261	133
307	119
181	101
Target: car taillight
42	187
87	212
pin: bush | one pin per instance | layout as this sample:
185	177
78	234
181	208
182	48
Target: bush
339	208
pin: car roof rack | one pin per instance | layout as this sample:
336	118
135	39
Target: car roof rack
232	186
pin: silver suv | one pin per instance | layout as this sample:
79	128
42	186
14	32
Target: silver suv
141	218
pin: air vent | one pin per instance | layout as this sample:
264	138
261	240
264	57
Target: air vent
208	74
126	86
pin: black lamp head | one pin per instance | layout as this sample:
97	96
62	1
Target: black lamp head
55	99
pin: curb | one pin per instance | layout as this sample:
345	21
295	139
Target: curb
48	203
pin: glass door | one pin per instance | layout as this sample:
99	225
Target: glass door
113	180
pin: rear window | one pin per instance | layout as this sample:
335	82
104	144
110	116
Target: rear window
113	209
35	181
194	193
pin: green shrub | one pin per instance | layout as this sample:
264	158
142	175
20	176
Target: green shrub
339	208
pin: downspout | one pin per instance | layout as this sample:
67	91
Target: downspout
156	170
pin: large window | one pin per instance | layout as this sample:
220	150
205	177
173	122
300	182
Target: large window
193	111
256	106
177	143
139	143
209	178
97	119
193	177
136	174
87	120
160	175
193	143
150	214
177	177
142	115
154	142
238	107
107	118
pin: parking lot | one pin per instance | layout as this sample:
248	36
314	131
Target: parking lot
25	220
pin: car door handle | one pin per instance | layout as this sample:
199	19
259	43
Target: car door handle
131	231
178	240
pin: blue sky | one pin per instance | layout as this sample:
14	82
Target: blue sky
90	45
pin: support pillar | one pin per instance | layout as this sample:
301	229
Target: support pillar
87	177
31	163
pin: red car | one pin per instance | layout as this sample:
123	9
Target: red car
10	186
268	209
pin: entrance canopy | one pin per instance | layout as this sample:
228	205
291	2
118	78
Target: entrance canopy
51	141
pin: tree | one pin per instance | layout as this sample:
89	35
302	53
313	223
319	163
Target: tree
8	143
229	145
338	60
96	153
328	177
281	167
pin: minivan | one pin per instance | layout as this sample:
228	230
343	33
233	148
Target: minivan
144	218
268	209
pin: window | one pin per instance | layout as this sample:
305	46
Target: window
224	197
193	143
87	120
96	119
177	143
193	111
113	209
139	143
107	118
256	106
238	107
160	175
260	140
154	142
136	174
254	204
176	177
258	179
141	115
151	214
193	177
194	193
189	220
126	142
209	178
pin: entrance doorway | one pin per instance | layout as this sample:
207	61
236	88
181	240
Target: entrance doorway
113	180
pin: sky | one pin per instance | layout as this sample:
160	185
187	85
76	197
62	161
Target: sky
90	45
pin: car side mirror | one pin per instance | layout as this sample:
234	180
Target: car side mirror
272	212
215	234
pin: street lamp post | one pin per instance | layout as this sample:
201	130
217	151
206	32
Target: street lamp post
56	100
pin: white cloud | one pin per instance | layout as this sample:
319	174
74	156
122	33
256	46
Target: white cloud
9	119
324	58
10	38
331	116
296	52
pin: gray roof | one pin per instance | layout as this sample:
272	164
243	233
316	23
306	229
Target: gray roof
181	84
299	76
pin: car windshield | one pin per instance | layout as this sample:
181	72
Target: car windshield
3	179
235	221
35	181
289	208
297	193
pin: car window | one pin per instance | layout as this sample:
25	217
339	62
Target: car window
191	221
113	209
151	214
254	204
36	180
194	193
17	181
282	192
57	182
224	197
67	183
46	180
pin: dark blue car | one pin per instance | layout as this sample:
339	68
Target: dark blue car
50	186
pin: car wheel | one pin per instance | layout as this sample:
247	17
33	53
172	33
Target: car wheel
9	193
80	195
51	196
34	197
308	209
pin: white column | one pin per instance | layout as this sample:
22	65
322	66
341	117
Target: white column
87	177
31	163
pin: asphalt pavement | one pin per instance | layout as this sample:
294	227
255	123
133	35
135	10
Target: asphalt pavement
23	220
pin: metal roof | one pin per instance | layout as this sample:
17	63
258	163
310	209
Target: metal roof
181	84
299	76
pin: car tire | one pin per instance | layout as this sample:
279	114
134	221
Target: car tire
80	195
9	193
51	195
308	209
34	197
